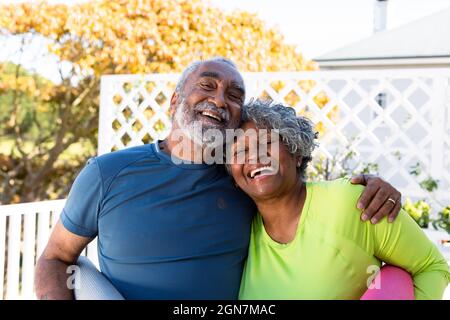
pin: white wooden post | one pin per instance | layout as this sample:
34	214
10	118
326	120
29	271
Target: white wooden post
43	231
440	85
55	217
29	255
14	232
2	252
106	118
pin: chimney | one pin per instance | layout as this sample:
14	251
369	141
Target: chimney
380	15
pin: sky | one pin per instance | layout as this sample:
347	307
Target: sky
314	26
320	26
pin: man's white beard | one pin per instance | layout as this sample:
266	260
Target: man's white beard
194	130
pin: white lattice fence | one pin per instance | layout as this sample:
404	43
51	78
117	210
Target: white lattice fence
394	118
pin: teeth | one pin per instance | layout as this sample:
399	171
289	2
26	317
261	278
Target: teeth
209	114
263	171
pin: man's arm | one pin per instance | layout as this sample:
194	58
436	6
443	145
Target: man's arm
374	199
62	250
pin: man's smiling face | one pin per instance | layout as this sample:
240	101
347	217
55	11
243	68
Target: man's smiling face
212	98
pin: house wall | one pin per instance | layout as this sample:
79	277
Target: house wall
377	64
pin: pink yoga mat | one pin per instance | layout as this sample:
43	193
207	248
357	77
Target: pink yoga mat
394	284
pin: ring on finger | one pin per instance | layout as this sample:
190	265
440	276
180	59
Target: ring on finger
392	200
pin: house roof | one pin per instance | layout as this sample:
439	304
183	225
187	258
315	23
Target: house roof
428	37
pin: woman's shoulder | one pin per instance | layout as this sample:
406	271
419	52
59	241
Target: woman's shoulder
334	198
336	188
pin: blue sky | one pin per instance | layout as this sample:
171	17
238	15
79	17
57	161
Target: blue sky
315	26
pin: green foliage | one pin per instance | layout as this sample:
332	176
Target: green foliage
443	220
419	211
343	164
429	184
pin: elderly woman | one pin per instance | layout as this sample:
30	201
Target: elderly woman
307	241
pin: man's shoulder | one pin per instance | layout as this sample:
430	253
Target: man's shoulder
111	163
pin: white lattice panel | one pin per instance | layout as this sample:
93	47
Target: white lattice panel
395	118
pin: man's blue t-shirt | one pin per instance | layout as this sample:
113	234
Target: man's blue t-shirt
165	231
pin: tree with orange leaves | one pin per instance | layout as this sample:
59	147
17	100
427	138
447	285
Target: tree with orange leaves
93	38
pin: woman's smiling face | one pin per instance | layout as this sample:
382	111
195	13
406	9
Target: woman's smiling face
262	175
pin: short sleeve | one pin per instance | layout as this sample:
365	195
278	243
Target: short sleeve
80	213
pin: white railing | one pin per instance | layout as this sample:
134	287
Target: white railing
394	118
24	232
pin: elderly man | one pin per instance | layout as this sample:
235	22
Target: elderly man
170	229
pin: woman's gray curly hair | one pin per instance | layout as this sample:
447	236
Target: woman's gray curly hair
296	132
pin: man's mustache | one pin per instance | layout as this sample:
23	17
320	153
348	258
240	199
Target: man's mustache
207	106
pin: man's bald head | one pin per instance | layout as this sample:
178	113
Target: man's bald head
195	65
